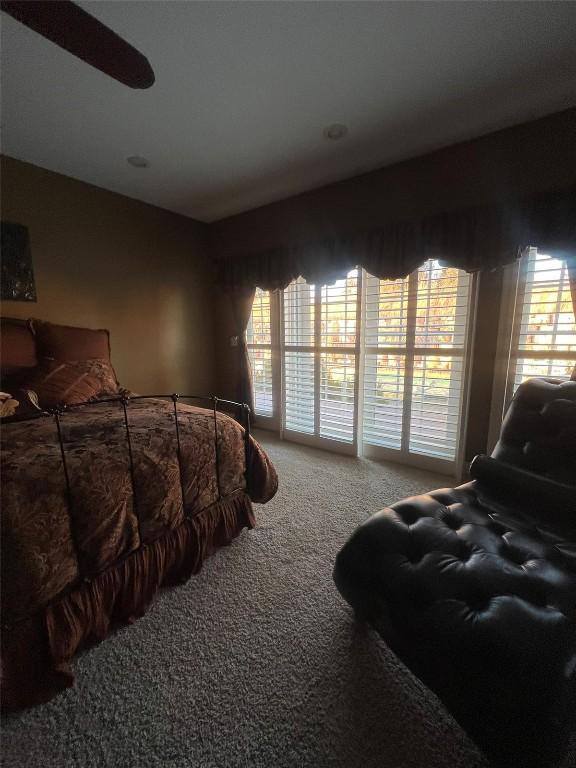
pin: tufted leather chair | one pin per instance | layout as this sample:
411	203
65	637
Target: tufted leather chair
475	587
538	432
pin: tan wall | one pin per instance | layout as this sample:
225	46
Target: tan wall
499	167
102	260
226	355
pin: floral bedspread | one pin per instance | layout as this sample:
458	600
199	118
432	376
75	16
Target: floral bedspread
51	541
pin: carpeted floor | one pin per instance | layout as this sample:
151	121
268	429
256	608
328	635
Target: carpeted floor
256	661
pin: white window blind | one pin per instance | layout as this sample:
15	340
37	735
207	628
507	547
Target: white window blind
544	332
414	355
321	358
386	314
299	357
259	341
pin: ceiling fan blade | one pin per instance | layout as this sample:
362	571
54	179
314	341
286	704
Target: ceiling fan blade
72	28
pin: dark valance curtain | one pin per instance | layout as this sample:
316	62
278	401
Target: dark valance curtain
472	239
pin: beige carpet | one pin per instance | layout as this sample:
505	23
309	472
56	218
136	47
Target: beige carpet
256	661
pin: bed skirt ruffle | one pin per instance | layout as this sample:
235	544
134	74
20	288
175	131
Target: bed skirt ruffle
36	652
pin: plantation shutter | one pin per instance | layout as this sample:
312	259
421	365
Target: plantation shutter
299	377
414	355
259	342
386	313
320	358
338	358
438	369
544	333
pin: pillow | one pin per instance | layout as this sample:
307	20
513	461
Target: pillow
61	383
65	342
71	344
99	369
18	349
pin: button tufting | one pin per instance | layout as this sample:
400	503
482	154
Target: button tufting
465	553
408	515
452	520
479	604
514	554
516	557
539	600
413	556
497	527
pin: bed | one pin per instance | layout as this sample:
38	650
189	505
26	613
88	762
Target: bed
103	502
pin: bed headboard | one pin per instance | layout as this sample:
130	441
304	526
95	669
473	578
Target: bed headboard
18	352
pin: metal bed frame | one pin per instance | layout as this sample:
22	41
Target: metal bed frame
124	399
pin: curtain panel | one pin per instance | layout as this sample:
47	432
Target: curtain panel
471	239
242	298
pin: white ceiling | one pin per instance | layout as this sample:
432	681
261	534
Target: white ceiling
244	89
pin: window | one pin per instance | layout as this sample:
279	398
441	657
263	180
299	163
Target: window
539	338
415	343
259	341
368	365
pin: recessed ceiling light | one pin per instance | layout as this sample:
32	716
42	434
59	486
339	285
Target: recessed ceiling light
137	162
335	132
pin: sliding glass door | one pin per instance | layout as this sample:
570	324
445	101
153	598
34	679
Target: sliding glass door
368	366
320	362
415	358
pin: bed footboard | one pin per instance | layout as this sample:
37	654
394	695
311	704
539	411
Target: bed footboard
242	414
